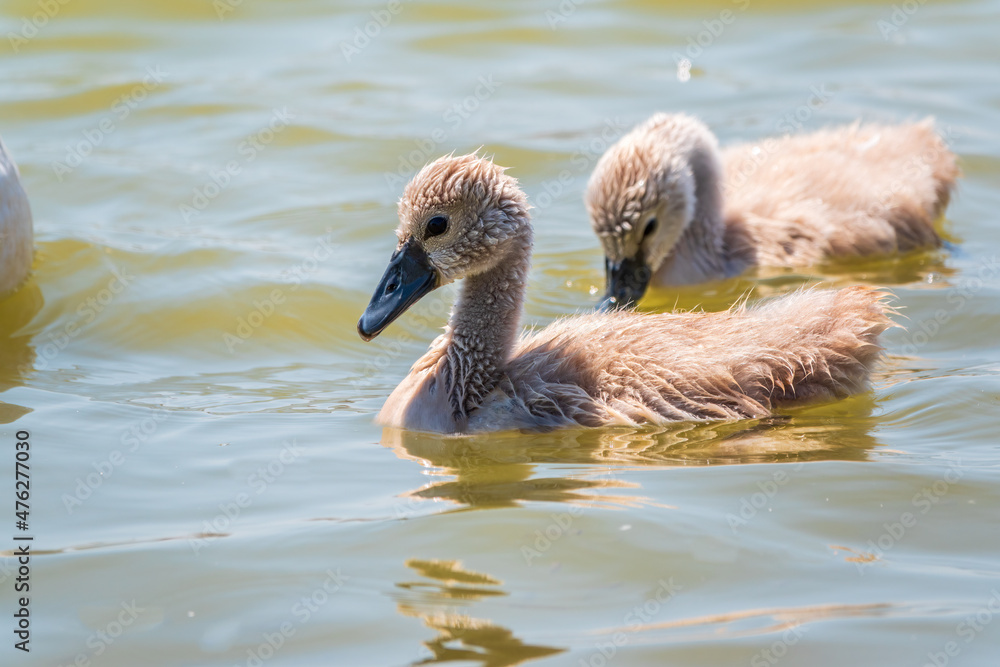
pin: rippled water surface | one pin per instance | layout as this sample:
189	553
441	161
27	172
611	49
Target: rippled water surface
214	189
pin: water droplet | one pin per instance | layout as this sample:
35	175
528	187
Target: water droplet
684	70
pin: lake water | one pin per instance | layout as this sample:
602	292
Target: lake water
214	188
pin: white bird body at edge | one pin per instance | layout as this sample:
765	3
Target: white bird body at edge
16	234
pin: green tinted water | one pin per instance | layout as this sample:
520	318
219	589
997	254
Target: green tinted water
239	175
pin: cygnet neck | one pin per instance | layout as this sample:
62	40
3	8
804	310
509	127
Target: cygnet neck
700	253
484	325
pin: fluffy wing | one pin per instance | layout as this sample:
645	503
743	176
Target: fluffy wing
855	190
632	368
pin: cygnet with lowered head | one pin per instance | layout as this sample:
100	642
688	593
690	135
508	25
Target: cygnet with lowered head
463	218
670	209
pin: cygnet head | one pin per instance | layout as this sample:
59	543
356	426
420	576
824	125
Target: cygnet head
459	217
643	195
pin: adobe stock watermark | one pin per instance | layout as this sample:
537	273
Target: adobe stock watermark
5	567
757	501
406	509
704	39
101	640
467	457
900	16
121	109
138	433
639	616
365	34
772	654
302	611
224	7
582	161
32	25
248	150
247	325
914	168
262	310
553	532
958	297
257	483
788	122
562	12
86	312
435	310
426	148
796	118
922	502
967	630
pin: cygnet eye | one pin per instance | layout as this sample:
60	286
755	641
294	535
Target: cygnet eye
436	226
650	228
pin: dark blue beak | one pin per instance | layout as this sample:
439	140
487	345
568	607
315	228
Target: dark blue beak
408	277
627	281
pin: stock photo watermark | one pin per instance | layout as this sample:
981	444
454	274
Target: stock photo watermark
705	38
583	159
922	503
426	148
247	325
967	630
302	611
248	150
261	310
434	310
224	7
257	483
753	504
21	554
788	121
100	640
86	312
923	332
562	12
32	25
120	109
917	166
365	34
796	118
633	621
778	649
544	538
138	433
900	16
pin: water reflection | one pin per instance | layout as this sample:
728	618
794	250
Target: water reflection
761	621
438	598
927	269
17	354
495	471
499	470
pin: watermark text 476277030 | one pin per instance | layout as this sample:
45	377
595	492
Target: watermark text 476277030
22	541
